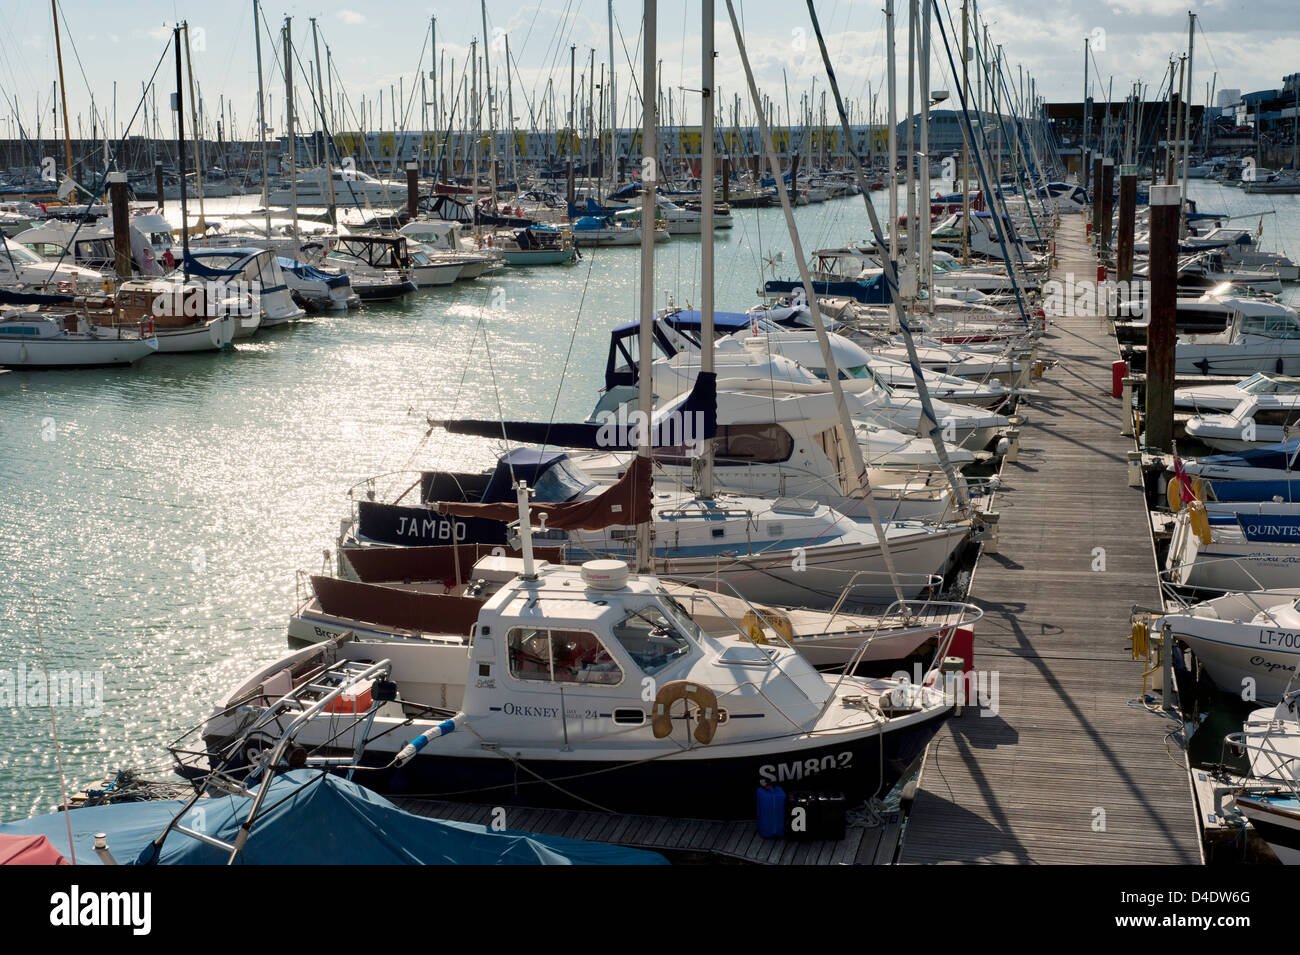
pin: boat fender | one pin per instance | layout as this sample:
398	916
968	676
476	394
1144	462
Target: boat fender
147	328
706	724
752	625
1200	522
424	739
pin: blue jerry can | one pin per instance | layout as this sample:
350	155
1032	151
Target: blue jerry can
771	811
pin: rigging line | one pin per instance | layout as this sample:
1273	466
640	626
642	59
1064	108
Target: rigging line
577	320
81	220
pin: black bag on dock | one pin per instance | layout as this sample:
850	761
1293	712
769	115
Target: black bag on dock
815	816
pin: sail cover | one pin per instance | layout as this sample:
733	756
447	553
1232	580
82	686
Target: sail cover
626	502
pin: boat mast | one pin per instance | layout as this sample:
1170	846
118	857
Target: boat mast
512	171
1187	135
923	223
261	115
613	104
492	123
327	166
891	177
965	139
649	182
180	150
706	228
63	90
194	115
288	119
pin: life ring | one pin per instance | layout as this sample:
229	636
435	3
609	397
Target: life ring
706	723
753	621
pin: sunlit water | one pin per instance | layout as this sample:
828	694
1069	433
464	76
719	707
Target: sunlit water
152	520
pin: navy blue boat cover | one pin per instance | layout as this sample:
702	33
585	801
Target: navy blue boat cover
313	818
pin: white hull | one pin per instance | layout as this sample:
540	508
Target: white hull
212	335
431	276
70	353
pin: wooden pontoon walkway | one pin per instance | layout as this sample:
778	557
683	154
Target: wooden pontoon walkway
705	839
1030	784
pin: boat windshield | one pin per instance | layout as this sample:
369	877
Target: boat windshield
650	637
561	482
1264	384
21	253
1272	325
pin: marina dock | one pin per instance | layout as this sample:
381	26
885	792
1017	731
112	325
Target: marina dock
1070	740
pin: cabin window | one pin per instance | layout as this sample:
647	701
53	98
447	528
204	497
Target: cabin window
650	639
1276	416
560	656
740	443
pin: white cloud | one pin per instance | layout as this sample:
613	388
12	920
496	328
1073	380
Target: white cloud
351	17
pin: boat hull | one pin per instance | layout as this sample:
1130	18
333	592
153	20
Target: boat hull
53	354
701	782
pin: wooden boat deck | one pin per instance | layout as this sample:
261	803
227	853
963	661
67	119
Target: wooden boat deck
1071	769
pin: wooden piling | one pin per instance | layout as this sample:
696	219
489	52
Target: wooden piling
1162	270
412	190
121	225
1107	201
1127	215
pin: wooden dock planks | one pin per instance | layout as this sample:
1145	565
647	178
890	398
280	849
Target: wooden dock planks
1071	769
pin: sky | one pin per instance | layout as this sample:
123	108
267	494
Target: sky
376	47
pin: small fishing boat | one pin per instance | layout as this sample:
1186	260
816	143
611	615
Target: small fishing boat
535	245
606	231
554	708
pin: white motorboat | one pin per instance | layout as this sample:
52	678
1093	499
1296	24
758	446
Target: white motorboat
1257	420
445	238
1258	334
1201	398
20	267
352	187
254	269
317	289
1248	643
554	684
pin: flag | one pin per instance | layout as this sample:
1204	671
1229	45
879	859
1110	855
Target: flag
1184	482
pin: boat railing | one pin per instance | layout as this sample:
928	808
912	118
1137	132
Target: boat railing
351	674
1174	591
1282	768
898	618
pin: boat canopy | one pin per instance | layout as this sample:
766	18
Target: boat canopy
314	818
311	273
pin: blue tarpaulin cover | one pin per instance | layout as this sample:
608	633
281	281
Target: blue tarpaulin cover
312	818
